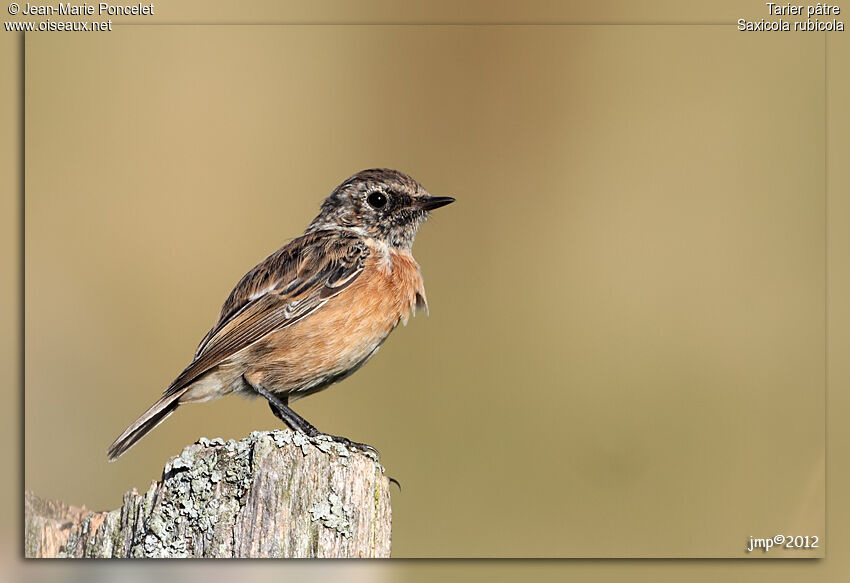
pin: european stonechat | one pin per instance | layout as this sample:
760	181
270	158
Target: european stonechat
314	311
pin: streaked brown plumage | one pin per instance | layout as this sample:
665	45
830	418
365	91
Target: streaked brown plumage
314	311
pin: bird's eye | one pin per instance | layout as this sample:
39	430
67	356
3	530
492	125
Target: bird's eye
377	200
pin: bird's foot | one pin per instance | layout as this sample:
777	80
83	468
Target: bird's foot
362	447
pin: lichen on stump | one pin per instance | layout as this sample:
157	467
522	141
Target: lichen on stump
272	494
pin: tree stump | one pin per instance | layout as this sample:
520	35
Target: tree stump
272	494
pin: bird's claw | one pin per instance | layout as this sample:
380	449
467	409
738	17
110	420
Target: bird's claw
363	447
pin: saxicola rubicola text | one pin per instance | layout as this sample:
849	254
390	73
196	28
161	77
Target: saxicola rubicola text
314	311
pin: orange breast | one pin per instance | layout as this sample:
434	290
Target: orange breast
338	337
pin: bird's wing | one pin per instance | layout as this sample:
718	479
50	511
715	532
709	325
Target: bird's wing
287	286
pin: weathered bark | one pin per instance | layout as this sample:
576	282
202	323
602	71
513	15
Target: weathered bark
272	494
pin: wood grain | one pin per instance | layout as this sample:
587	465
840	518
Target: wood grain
272	494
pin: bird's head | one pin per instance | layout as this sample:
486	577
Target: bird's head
384	204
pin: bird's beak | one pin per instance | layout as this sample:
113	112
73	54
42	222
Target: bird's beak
434	202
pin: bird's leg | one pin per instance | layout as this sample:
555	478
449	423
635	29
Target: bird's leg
292	419
281	410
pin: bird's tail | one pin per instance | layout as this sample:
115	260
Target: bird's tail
158	412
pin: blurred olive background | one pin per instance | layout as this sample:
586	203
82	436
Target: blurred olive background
625	353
